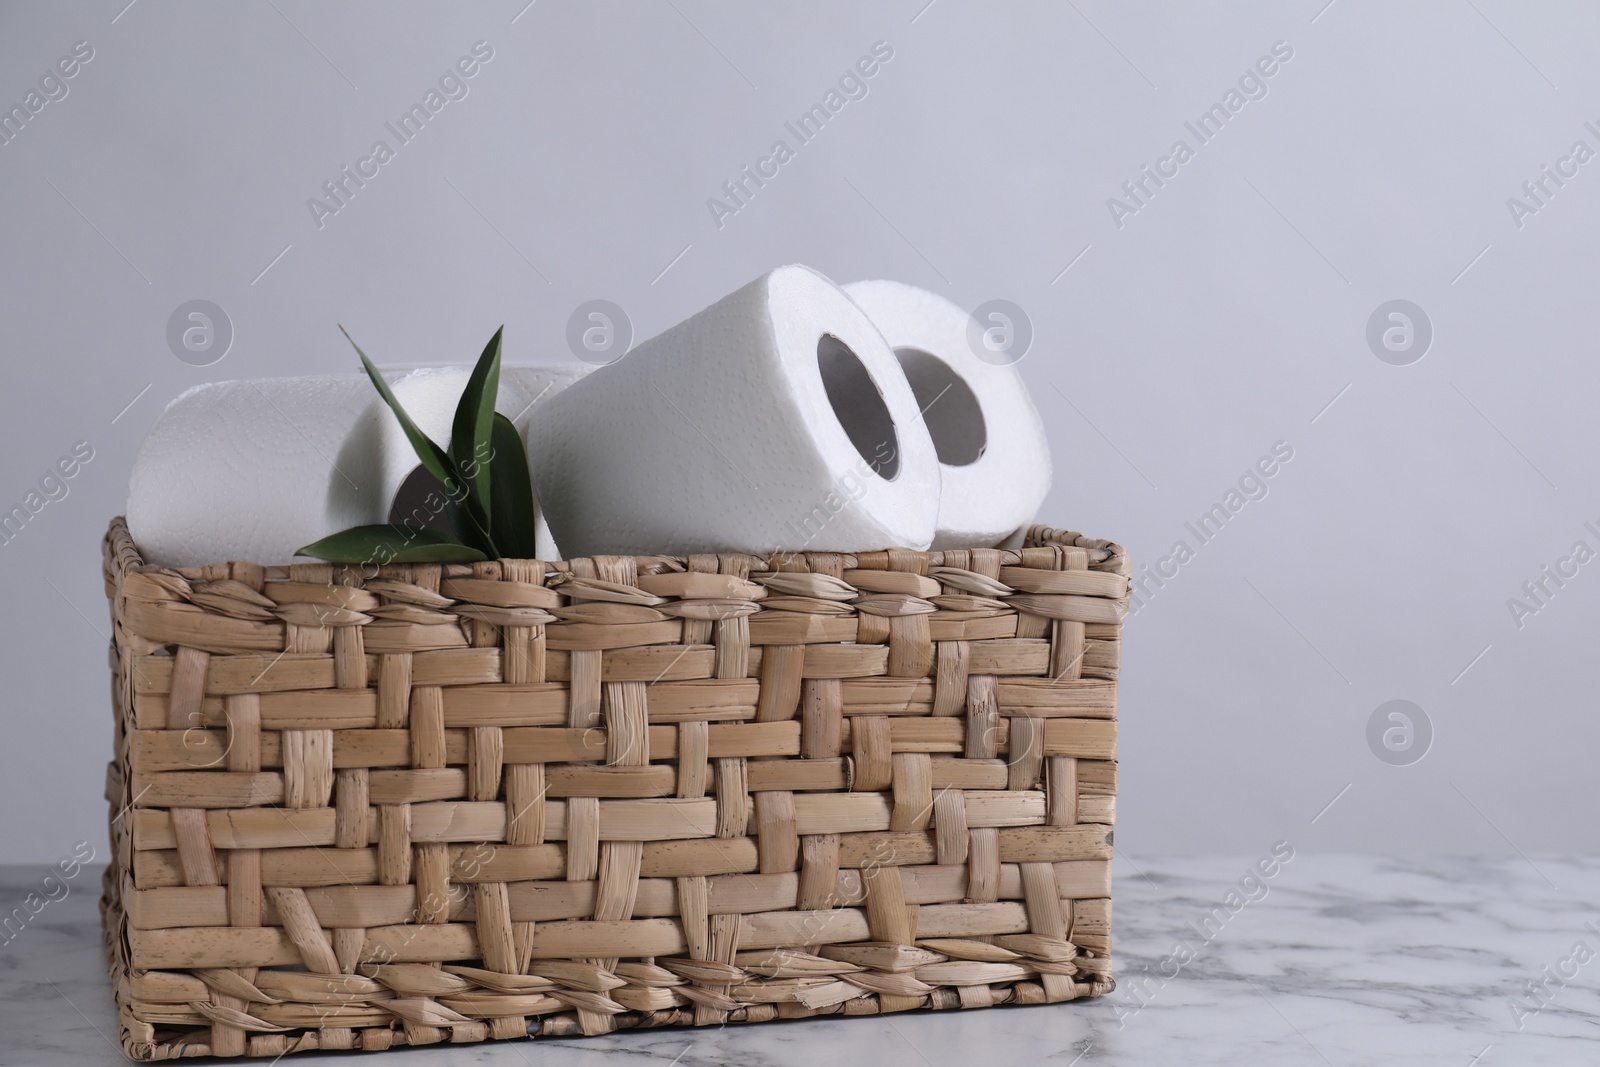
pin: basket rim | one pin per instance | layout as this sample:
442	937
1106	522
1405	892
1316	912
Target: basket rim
123	556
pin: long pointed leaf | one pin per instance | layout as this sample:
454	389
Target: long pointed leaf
474	529
433	457
390	543
436	459
470	434
514	511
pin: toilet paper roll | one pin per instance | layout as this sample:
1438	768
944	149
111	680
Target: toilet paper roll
532	387
993	456
252	470
777	418
429	396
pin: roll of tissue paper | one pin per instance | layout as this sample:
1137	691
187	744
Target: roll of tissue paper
777	418
533	386
993	456
252	470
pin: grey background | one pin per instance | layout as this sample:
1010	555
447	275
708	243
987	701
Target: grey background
1223	317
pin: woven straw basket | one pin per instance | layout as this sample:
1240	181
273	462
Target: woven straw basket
364	808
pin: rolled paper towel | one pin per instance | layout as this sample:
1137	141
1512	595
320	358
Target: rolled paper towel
777	418
993	456
437	390
253	470
532	387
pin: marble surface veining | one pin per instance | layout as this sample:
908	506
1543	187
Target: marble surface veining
1338	960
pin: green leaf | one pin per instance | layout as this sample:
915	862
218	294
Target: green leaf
434	458
469	437
390	543
514	512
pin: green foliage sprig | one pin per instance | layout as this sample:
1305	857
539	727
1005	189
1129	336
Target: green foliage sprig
485	476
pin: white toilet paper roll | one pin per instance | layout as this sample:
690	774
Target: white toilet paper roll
777	418
252	470
993	456
532	387
429	396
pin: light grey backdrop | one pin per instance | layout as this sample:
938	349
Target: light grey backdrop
1226	314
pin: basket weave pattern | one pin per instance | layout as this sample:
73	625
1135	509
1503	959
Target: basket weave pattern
357	809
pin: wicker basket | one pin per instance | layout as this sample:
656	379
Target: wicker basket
445	803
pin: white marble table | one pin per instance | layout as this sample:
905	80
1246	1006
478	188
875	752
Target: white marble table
1344	961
